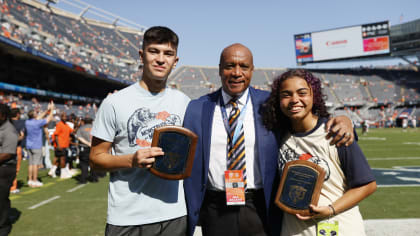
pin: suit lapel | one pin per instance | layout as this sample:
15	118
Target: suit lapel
259	138
206	125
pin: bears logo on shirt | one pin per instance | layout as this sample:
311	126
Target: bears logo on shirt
142	123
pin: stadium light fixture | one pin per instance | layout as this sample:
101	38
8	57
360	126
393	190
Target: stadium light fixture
52	1
115	21
84	12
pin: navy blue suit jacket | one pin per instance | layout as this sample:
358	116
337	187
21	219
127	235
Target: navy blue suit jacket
199	119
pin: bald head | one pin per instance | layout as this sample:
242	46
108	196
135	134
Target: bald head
236	47
235	69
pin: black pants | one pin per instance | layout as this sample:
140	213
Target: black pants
84	165
219	219
7	175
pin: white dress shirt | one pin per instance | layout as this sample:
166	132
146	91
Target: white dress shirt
218	146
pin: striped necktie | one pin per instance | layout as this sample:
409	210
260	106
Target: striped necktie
236	151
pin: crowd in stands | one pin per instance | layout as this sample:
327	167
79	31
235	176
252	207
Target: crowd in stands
17	101
99	47
37	125
376	96
96	47
196	81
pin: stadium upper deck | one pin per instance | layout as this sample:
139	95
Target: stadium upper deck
367	90
96	47
106	50
344	87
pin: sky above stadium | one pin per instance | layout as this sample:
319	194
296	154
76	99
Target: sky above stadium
266	27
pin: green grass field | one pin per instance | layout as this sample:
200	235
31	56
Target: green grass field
71	209
387	148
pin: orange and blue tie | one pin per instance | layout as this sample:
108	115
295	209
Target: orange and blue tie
236	151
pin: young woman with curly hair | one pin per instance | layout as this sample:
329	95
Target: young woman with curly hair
296	107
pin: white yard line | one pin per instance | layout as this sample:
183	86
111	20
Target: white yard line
380	227
76	188
385	227
397	168
392	158
44	202
397	185
373	138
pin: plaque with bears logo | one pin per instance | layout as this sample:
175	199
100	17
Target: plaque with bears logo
179	145
300	186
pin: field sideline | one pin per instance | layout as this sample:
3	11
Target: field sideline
61	207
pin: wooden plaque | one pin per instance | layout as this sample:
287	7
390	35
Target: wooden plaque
300	186
179	145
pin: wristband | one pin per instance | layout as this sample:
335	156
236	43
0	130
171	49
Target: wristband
333	210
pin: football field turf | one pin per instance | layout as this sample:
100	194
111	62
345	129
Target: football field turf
62	207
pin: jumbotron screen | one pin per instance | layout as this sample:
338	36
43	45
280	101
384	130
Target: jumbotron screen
344	43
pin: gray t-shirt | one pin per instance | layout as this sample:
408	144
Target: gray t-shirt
8	141
84	132
127	119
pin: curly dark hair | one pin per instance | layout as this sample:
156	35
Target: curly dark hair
273	118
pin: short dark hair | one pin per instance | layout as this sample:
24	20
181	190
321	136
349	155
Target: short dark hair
72	117
31	114
159	35
14	112
88	120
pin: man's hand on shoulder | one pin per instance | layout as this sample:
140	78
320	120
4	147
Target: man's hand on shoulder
341	129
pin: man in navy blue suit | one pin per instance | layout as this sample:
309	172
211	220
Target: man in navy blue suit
207	116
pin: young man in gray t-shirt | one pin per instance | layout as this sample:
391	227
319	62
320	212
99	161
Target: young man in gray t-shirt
139	202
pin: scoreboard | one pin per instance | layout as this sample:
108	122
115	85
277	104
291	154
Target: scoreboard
359	41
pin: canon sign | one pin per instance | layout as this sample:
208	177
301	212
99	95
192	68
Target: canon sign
332	43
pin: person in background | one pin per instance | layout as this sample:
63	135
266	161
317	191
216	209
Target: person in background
20	128
49	130
72	151
46	148
8	145
414	121
84	137
34	134
61	139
